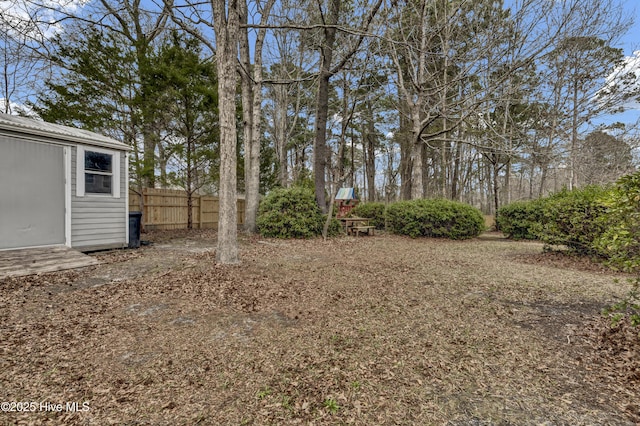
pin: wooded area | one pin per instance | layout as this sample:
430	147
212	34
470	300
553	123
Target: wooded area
480	101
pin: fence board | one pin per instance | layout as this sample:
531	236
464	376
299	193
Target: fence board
167	209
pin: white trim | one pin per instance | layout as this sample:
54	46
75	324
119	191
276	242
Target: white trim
79	171
115	188
126	199
67	195
32	247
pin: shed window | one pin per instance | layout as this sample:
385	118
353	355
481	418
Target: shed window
98	172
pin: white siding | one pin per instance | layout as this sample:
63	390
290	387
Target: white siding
98	221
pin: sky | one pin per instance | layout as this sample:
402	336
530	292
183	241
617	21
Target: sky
631	47
631	42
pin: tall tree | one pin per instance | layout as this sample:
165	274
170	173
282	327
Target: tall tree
579	62
252	76
97	95
602	158
290	89
226	24
26	31
328	68
18	62
141	28
185	90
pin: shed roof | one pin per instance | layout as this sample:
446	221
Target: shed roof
30	126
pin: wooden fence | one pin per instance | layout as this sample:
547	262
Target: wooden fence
167	209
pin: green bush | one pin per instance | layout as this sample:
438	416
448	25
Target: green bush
435	218
335	226
620	242
574	219
519	220
290	213
628	307
374	211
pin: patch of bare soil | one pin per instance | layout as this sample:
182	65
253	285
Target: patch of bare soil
368	330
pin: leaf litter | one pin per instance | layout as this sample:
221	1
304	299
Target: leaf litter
368	330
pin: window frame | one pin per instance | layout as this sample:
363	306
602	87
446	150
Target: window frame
81	172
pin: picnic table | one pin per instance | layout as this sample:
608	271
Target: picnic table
357	225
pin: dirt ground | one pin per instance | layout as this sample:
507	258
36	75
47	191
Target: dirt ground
366	331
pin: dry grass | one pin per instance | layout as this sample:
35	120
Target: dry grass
373	330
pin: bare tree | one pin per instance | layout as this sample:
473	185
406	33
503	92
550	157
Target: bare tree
18	61
141	28
581	61
26	31
602	158
252	107
328	68
289	86
226	24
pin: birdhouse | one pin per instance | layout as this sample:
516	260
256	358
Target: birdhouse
346	200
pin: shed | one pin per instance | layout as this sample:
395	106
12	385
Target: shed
61	186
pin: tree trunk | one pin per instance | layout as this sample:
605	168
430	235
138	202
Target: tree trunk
162	164
320	142
280	126
371	168
455	191
247	88
227	28
321	153
371	154
343	134
149	136
189	184
574	139
496	197
404	140
189	209
253	117
322	105
417	148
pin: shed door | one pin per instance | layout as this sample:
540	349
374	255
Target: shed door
32	194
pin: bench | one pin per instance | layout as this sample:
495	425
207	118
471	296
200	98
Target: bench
369	229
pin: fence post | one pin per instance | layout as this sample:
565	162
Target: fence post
144	208
200	210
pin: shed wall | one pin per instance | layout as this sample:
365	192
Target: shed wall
98	221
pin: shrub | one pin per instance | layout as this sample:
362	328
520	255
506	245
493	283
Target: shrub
335	226
519	220
290	213
628	307
435	218
374	211
573	218
620	242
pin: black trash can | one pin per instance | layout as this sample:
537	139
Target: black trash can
135	223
